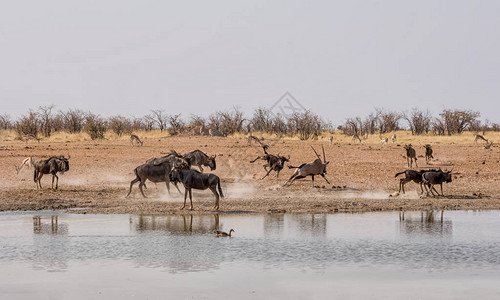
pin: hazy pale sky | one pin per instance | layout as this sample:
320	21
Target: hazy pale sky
338	58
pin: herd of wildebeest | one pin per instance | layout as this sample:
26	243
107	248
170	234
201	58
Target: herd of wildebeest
176	168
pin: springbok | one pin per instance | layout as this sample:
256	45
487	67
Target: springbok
28	162
134	139
480	137
317	167
31	137
330	139
384	141
410	155
488	146
393	138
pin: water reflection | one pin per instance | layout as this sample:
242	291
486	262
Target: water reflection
176	224
425	223
54	227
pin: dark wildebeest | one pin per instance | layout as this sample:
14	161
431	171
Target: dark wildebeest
410	155
428	153
51	165
317	167
192	179
432	178
198	158
157	170
411	175
274	162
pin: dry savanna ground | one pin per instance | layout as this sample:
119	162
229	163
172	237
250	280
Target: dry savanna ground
361	175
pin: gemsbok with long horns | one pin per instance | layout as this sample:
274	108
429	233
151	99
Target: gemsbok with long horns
317	167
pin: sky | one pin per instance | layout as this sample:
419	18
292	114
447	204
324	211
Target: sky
339	59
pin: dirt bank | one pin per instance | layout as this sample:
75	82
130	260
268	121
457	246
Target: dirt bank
361	176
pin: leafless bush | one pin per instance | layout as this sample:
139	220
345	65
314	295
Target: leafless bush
120	125
45	118
197	121
148	122
306	125
159	118
95	126
262	120
5	122
227	122
27	125
387	121
456	121
73	120
419	121
353	126
176	124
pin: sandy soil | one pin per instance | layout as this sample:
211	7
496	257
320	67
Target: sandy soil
361	176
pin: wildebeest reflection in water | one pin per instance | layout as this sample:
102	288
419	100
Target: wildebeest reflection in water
53	228
187	223
425	223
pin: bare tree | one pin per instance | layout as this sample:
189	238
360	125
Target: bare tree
306	125
262	120
149	122
5	122
419	121
160	119
73	120
456	121
95	126
28	125
45	118
120	125
176	124
387	121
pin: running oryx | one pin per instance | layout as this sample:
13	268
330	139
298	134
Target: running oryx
198	158
28	162
51	165
274	162
410	155
192	179
478	137
317	167
428	153
134	139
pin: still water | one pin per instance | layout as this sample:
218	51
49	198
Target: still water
51	255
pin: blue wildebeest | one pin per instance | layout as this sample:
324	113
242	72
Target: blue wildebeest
198	158
410	155
51	165
317	167
157	170
428	153
412	175
192	179
432	178
274	162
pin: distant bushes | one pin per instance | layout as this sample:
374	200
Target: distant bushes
305	125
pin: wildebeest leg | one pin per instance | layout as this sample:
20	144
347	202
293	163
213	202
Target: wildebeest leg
191	199
323	175
57	181
214	190
442	194
312	179
266	174
421	189
401	186
140	188
131	184
416	162
186	191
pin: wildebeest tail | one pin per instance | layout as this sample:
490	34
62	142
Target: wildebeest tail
35	173
397	174
220	189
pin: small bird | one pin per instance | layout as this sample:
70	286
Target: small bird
222	233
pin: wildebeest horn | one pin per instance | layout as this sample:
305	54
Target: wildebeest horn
316	153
